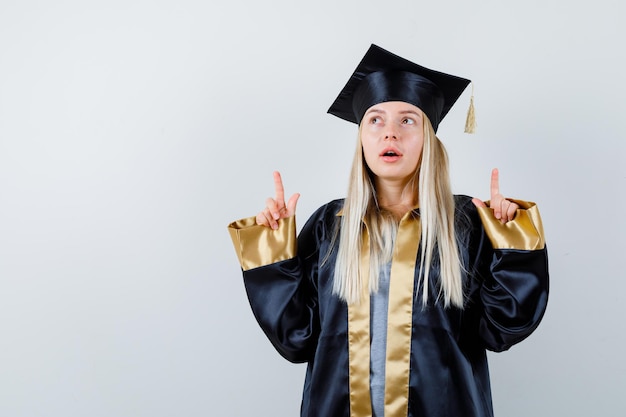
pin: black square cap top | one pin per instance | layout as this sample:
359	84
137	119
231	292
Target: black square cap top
382	76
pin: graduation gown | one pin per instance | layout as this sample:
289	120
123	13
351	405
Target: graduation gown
436	364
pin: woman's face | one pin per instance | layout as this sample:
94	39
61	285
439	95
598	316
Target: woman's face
392	136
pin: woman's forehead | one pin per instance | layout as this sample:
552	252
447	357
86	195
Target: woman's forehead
395	106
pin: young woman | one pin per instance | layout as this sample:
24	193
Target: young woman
393	295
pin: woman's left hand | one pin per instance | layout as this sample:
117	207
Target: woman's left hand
503	209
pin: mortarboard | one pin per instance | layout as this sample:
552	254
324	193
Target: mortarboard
382	76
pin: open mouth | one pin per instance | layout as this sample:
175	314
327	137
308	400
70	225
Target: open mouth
391	152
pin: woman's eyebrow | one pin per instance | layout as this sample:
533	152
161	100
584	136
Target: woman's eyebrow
375	111
411	112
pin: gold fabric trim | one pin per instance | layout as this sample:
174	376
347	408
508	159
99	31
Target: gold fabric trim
359	341
260	245
400	319
524	232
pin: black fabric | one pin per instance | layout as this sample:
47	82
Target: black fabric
383	76
506	291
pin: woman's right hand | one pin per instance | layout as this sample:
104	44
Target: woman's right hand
275	208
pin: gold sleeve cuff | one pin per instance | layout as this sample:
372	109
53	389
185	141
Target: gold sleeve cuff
260	245
524	232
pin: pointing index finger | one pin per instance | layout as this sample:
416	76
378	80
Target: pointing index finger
495	184
280	191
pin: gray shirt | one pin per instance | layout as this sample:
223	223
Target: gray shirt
379	305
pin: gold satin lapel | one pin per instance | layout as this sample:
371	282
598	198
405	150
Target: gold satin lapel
359	342
400	319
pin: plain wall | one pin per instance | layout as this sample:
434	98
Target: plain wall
132	132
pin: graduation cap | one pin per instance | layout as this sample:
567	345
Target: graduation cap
382	76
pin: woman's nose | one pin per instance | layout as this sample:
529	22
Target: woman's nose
391	133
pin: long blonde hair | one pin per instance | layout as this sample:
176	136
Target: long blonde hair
437	207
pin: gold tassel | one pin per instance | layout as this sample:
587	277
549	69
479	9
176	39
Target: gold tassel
470	122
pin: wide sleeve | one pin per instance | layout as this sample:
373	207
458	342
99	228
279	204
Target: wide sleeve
512	264
278	275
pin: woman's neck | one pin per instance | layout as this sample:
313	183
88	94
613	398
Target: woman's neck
398	197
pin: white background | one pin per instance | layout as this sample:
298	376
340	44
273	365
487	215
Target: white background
132	132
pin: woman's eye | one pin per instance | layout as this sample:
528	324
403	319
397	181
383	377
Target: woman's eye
375	120
408	121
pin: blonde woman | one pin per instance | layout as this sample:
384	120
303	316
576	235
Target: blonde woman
393	294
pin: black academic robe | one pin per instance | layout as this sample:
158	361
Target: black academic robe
506	287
